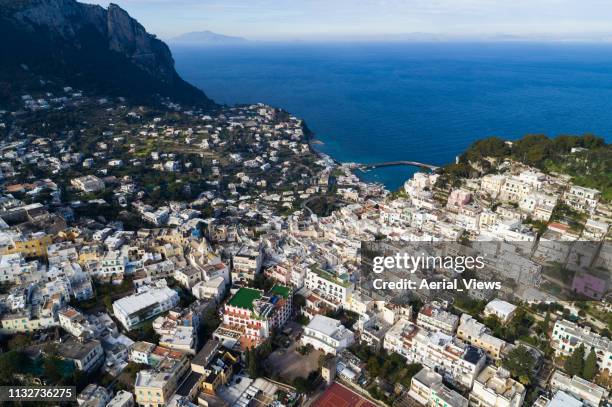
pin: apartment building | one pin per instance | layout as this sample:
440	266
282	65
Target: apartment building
15	269
178	330
477	334
514	189
122	399
32	244
148	302
86	354
581	198
495	388
216	365
247	263
154	387
589	393
460	363
188	276
88	183
249	316
427	388
435	318
211	289
74	322
25	321
331	287
327	334
113	263
492	184
567	336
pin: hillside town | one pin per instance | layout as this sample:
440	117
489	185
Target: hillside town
171	257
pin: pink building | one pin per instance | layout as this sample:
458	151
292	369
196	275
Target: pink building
589	285
459	198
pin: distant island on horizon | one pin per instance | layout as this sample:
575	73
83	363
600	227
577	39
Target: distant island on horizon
206	37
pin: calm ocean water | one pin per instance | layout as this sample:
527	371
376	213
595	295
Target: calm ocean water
416	101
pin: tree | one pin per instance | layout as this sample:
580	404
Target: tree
374	366
547	320
520	363
492	322
590	366
108	302
323	358
51	370
9	363
575	362
19	341
298	301
252	363
308	384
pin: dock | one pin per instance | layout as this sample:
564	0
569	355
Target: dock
364	167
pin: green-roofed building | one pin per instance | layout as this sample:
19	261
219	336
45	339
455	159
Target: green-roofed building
245	298
249	316
281	290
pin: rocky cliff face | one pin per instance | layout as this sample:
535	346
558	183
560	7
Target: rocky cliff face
88	45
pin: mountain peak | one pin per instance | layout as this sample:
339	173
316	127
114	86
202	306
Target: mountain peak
90	46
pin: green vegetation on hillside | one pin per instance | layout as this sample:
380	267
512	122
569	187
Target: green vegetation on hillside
589	167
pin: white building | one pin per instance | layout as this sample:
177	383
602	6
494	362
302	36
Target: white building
458	362
435	318
246	263
327	285
427	388
122	399
88	183
495	388
93	396
534	178
563	399
157	218
212	289
503	310
13	267
492	184
178	330
513	231
567	336
582	198
112	264
589	393
327	334
74	322
514	189
145	304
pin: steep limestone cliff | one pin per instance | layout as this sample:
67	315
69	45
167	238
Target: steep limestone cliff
89	46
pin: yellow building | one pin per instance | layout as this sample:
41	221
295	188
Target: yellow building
477	334
21	323
154	387
92	253
215	364
34	245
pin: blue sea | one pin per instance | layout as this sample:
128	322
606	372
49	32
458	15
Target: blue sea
414	101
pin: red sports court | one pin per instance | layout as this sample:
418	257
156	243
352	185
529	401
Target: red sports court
340	396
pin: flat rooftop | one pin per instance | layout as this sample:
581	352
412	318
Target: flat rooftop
244	298
280	290
74	349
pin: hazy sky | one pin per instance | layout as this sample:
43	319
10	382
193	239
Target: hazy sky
311	19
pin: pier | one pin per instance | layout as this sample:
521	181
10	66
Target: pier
364	167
